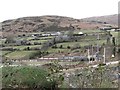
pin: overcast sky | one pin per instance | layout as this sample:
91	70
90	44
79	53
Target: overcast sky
11	9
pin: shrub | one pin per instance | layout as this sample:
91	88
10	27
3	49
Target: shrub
55	46
68	47
37	43
61	46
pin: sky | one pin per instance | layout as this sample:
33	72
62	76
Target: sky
11	9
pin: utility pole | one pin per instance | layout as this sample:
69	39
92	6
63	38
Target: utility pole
98	38
92	52
89	55
104	55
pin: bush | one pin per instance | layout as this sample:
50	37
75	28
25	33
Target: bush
55	46
102	64
37	43
27	48
68	47
34	55
8	49
61	46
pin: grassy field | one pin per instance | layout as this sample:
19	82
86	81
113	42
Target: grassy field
4	52
20	54
81	42
51	50
25	77
39	41
25	46
84	43
73	45
88	31
34	63
2	41
117	36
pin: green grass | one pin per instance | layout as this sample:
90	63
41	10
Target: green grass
73	44
20	54
24	77
4	52
25	46
83	43
101	37
39	41
42	38
115	34
88	31
38	62
51	50
47	37
2	41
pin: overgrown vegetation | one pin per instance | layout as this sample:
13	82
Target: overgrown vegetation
26	77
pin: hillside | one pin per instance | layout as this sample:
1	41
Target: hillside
110	19
27	24
54	23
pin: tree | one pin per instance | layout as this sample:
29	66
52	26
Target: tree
108	40
10	39
71	31
61	46
113	41
114	51
28	48
54	46
68	47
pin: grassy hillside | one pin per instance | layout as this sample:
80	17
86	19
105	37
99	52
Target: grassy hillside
45	23
110	19
25	77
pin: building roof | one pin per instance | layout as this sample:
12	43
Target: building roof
80	33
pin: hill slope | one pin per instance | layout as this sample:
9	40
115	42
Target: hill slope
32	24
54	23
110	19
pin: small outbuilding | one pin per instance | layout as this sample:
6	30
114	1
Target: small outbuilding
79	34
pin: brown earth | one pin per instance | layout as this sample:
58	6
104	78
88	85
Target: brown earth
54	23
